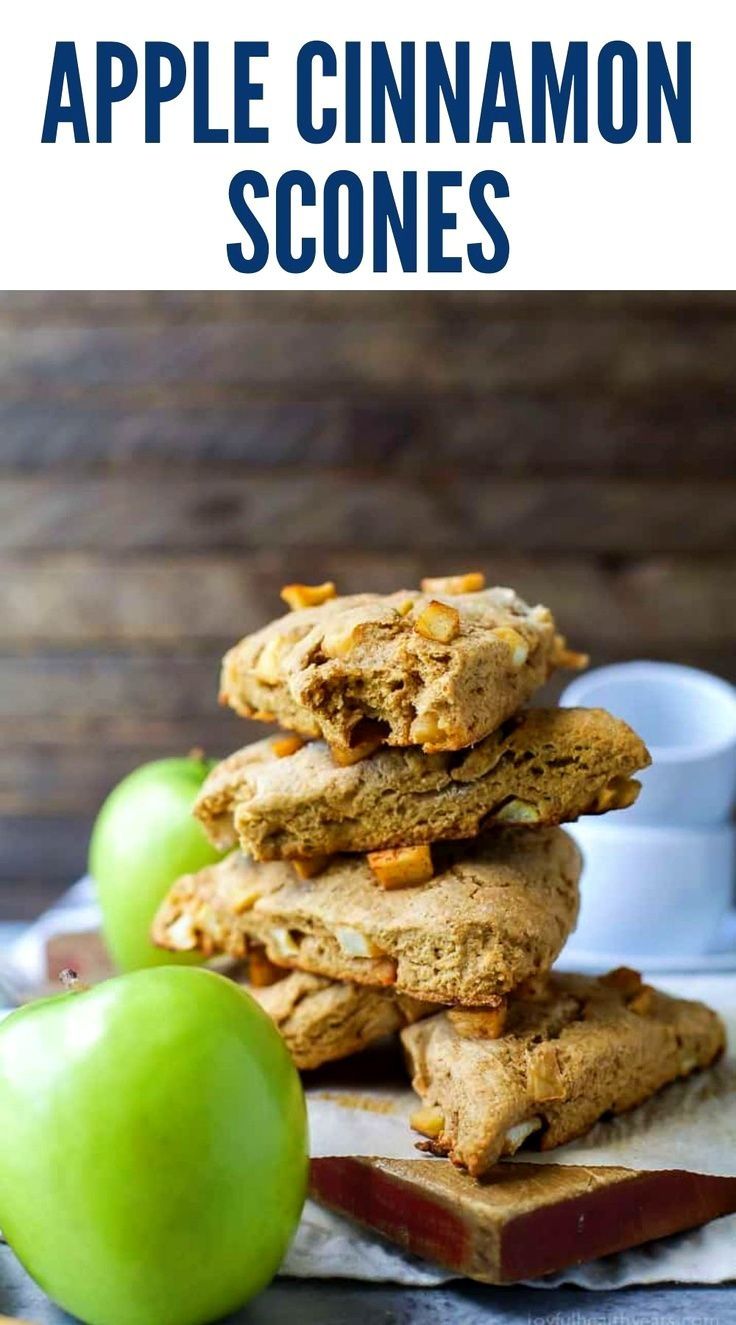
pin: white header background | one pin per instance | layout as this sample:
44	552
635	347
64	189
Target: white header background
128	215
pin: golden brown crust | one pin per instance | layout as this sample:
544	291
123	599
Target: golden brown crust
327	670
570	1053
497	911
546	766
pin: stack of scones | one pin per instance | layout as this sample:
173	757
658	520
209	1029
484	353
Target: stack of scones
397	864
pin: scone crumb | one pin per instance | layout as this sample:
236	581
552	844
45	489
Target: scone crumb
346	1101
297	596
471	582
438	621
429	1122
402	867
283	746
307	867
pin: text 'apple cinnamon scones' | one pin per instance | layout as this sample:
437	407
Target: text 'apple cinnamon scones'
568	1050
438	668
281	799
494	912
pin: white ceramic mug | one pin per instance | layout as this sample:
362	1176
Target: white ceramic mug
650	891
688	720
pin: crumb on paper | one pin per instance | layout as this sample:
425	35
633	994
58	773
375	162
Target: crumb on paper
367	1102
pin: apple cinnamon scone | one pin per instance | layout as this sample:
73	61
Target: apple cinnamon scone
282	800
324	1020
493	912
566	1051
439	668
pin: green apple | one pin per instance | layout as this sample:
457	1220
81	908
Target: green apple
153	1152
144	838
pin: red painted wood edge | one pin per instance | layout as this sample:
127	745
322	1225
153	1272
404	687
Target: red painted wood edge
415	1219
609	1219
606	1219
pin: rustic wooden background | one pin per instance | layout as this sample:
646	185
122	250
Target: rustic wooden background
167	461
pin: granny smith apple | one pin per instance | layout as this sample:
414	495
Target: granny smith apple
153	1154
144	838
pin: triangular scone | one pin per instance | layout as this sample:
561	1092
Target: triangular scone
281	800
435	669
324	1020
572	1050
497	910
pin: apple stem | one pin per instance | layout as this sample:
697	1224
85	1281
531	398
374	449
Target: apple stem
197	754
71	981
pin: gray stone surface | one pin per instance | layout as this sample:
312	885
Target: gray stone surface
318	1302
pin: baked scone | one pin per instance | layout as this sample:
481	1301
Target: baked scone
544	767
435	669
571	1050
496	911
324	1020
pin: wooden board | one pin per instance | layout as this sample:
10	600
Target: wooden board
524	1220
